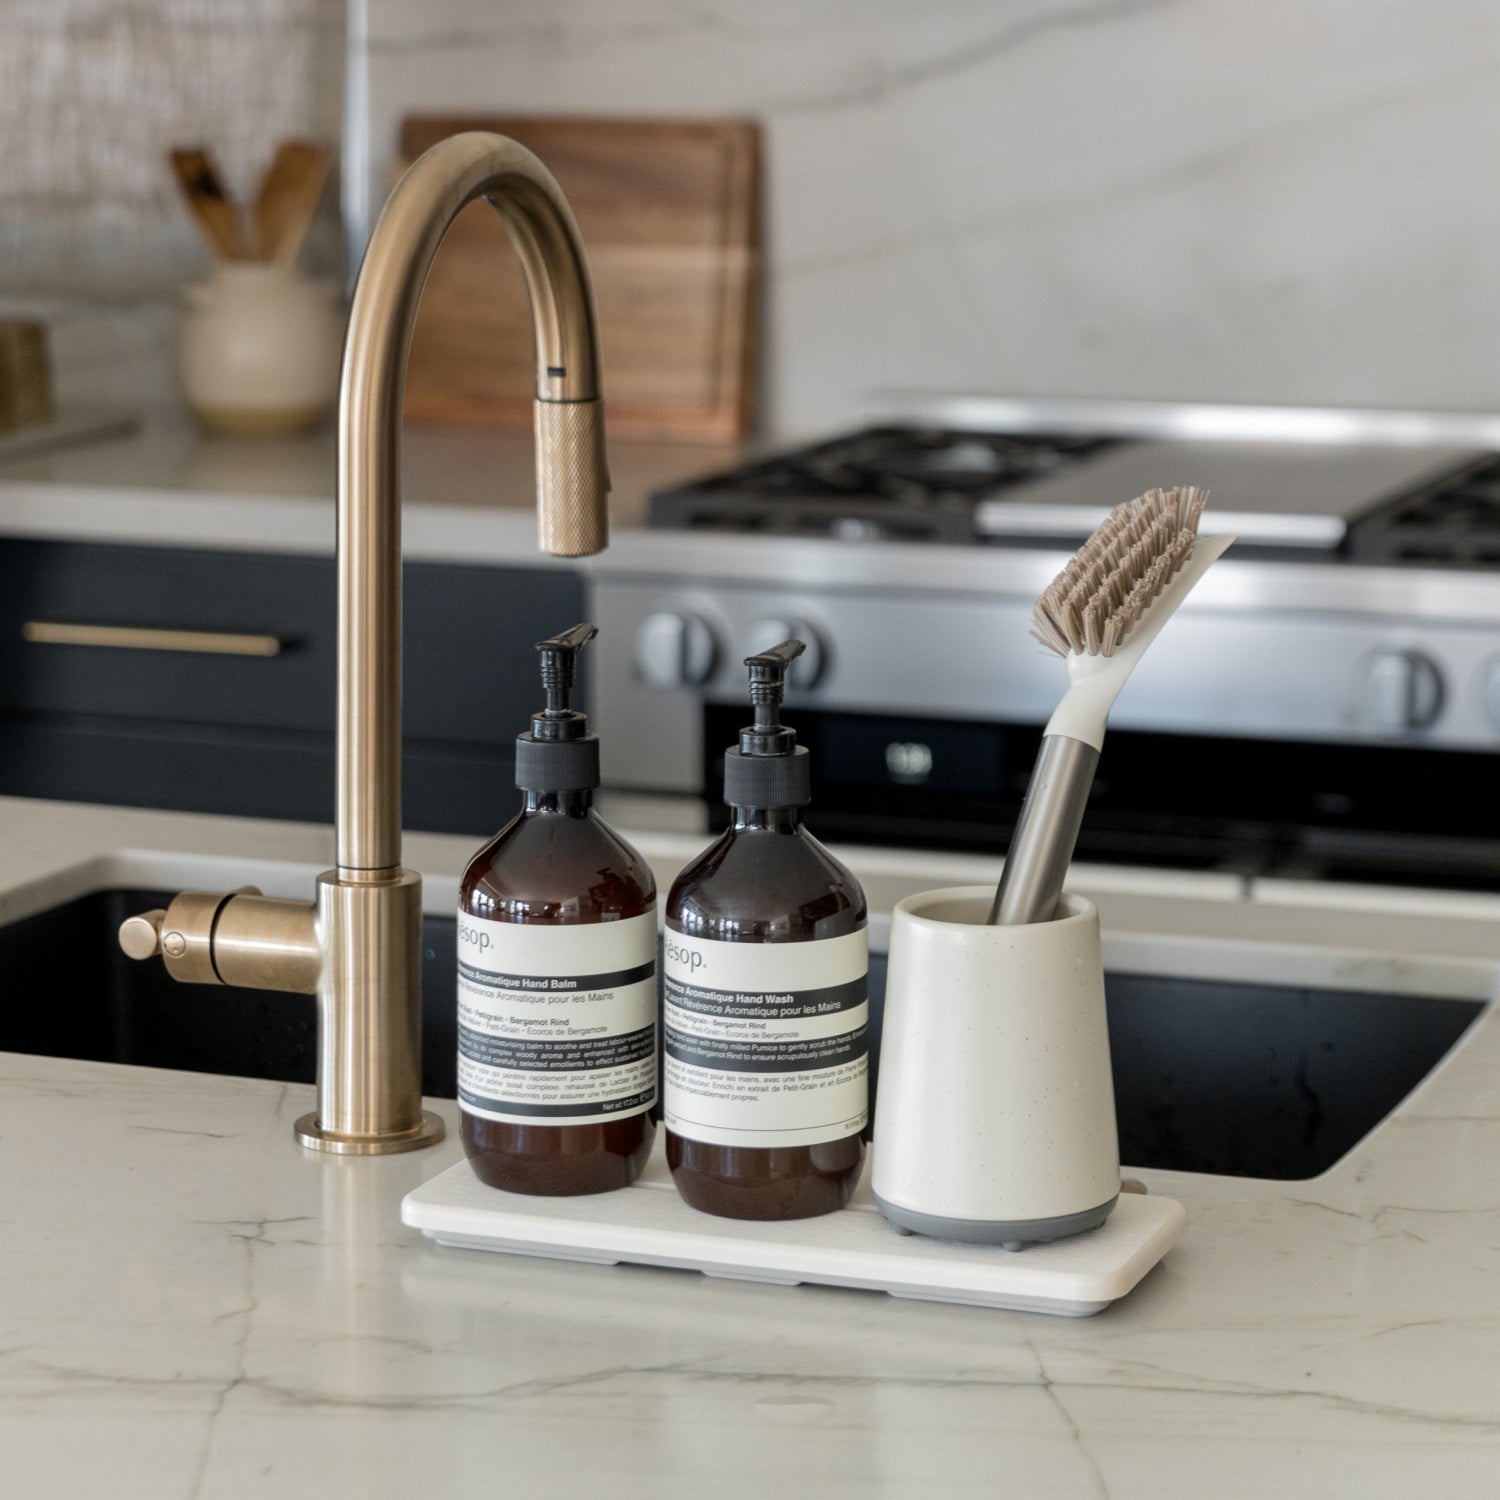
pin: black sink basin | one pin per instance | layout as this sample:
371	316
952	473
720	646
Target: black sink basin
1243	1080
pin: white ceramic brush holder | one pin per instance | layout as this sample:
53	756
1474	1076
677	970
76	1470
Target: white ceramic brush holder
995	1116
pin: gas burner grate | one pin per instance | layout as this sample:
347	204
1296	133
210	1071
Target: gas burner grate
1453	520
892	483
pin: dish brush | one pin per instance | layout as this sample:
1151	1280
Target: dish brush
1100	614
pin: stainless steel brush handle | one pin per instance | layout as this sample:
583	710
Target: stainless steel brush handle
1042	846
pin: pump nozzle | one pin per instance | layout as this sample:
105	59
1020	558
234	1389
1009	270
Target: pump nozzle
769	769
768	682
559	754
775	659
767	736
559	661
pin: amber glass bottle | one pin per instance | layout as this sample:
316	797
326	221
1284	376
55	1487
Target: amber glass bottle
557	973
765	1090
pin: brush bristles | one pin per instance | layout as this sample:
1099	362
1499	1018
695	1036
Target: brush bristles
1091	606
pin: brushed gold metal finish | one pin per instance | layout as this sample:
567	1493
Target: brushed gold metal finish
571	475
187	933
425	202
236	938
368	1053
140	936
370	937
315	1138
267	943
145	638
358	947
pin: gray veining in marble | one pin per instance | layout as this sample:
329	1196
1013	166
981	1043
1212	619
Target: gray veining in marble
1189	198
195	1307
1200	199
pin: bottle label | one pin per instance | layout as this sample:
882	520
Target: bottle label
556	1025
765	1042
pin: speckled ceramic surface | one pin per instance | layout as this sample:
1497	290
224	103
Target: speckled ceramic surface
997	1103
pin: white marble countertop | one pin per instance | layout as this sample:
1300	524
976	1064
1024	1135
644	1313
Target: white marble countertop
195	1306
468	497
469	492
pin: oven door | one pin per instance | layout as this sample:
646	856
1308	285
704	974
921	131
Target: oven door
1250	807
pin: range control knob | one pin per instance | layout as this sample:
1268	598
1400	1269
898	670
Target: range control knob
808	668
1403	690
675	649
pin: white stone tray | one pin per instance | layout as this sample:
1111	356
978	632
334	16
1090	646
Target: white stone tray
650	1225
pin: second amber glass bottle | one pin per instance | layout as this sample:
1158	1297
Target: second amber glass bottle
764	1086
557	994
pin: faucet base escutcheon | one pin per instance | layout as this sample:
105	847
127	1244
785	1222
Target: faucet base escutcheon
315	1138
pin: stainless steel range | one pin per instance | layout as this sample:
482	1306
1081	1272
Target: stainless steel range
1328	704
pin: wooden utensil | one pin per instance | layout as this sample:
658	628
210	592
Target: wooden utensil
669	211
288	198
211	205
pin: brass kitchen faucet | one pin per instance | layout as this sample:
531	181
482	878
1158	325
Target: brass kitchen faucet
357	947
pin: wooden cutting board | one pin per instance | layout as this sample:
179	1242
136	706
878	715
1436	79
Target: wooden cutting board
669	211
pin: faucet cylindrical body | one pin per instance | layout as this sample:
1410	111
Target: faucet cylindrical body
369	1018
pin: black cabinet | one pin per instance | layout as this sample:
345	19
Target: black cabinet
228	730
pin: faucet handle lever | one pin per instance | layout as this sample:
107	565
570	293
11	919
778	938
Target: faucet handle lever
140	935
182	934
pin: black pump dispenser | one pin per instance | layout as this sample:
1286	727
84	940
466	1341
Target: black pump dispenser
559	754
769	769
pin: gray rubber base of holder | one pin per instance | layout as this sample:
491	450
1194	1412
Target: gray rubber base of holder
1012	1234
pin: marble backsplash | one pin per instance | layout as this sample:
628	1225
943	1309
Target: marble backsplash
1273	201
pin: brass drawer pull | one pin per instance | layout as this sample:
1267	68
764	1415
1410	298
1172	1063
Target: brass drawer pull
141	638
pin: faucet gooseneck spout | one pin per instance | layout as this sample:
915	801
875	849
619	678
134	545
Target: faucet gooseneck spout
571	479
358	946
